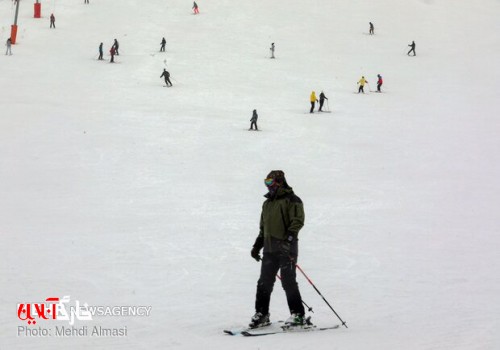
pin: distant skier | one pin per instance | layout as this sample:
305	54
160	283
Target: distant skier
412	45
52	21
372	29
112	52
254	120
379	82
8	43
272	50
361	84
100	51
281	220
166	75
163	43
313	100
116	46
322	99
195	8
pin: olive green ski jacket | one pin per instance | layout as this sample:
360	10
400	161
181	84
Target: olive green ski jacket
282	215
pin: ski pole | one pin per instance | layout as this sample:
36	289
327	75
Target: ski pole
316	289
327	105
309	308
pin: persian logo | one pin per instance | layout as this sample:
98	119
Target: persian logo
54	309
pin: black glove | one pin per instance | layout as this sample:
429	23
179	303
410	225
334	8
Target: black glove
286	245
257	246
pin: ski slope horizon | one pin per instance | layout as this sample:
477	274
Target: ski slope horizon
118	191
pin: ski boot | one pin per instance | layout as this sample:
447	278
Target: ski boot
297	321
259	320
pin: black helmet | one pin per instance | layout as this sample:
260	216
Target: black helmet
279	177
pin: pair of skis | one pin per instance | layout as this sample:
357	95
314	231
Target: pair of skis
273	329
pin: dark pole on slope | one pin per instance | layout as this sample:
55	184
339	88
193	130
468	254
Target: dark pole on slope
316	289
309	308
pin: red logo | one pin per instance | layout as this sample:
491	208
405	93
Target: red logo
28	312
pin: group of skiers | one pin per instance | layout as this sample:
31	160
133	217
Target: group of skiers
412	45
112	51
362	82
313	100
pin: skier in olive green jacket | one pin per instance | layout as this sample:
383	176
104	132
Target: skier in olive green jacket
281	219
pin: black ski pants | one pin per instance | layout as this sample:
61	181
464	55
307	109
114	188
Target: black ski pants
321	105
271	264
252	124
168	82
312	107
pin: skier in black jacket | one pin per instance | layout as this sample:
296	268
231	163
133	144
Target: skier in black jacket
116	45
100	52
254	120
322	99
163	43
166	74
412	45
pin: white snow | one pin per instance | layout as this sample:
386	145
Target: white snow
117	191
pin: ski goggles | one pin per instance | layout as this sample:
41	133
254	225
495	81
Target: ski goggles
269	181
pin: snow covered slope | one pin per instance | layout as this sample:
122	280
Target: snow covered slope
117	191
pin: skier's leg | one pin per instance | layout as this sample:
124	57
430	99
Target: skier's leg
268	270
289	283
312	107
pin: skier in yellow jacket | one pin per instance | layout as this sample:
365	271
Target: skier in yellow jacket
361	84
313	100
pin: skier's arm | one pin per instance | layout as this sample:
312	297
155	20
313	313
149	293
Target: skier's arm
296	215
261	226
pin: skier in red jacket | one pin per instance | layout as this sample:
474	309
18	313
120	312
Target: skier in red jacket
112	52
379	82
